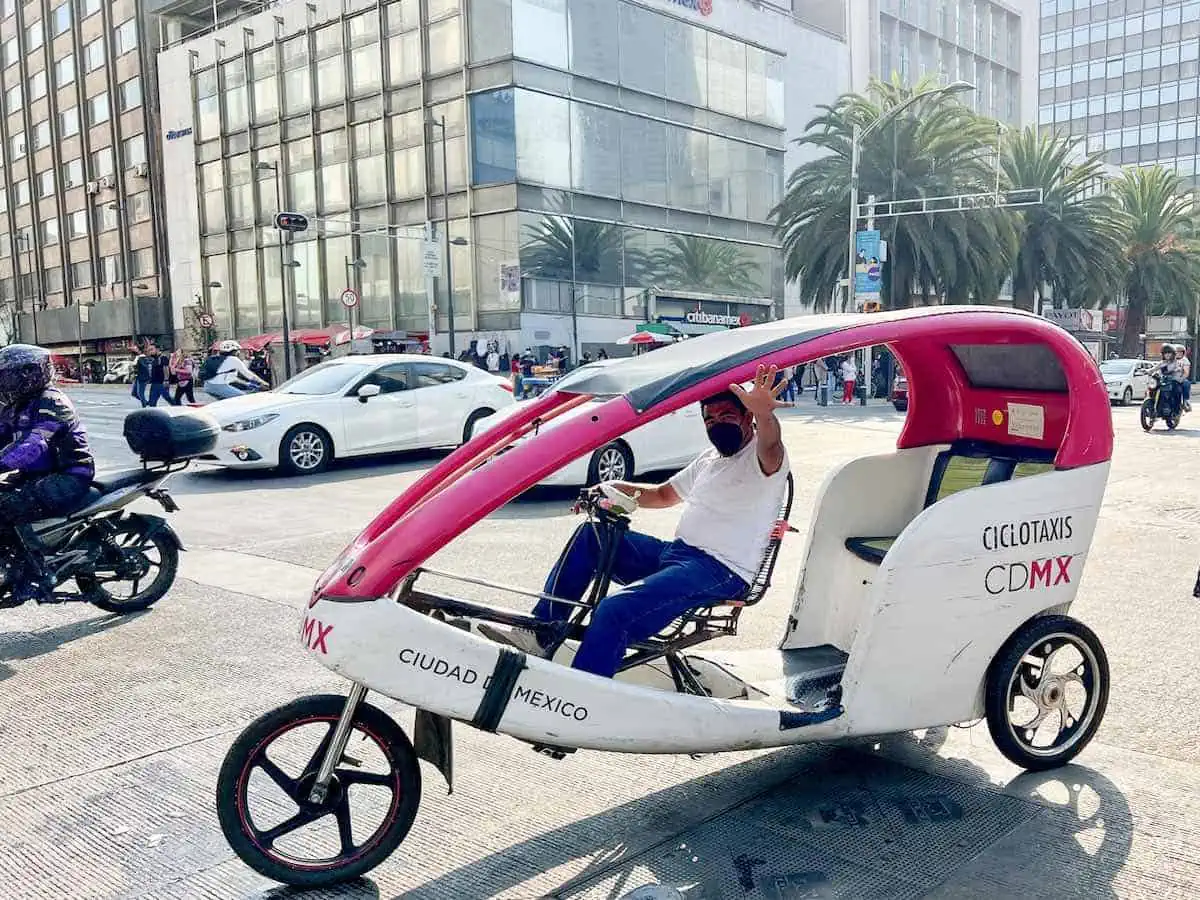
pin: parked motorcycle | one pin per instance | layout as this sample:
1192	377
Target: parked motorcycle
1164	400
120	561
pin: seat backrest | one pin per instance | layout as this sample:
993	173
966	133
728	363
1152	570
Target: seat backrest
762	578
969	464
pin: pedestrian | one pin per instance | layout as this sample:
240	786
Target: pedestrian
160	365
831	376
141	378
798	380
601	354
183	370
849	376
515	374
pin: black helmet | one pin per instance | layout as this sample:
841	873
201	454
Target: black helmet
25	371
1167	348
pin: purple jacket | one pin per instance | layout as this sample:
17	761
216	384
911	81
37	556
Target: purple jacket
45	437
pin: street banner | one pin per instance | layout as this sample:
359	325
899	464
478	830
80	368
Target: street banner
868	273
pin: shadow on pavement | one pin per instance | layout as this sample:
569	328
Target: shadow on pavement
362	889
1053	834
216	480
21	645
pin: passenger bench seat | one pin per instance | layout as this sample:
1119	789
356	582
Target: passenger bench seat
954	470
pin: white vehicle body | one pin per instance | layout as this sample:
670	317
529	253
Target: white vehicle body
411	401
1127	379
915	634
666	444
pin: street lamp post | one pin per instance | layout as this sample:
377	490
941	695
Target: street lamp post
856	140
80	306
24	240
127	275
287	336
459	242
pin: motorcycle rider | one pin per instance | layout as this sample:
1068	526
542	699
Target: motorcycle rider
1185	375
1170	371
232	377
46	462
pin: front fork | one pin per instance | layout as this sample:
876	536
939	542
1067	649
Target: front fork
337	746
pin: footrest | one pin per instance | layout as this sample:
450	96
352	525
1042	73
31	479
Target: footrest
870	549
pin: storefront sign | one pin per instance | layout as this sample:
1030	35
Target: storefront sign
703	318
704	7
1075	319
178	133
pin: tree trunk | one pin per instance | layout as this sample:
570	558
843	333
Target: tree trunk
1023	298
1135	324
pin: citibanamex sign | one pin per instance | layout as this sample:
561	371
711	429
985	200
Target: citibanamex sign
703	318
704	7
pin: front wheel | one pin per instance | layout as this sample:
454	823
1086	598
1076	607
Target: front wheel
272	766
1127	397
473	421
1047	690
135	569
1147	414
305	450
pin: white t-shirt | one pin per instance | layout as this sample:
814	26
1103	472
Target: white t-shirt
849	371
233	369
730	506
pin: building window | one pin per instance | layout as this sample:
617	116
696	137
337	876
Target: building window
139	206
13	99
18	145
62	17
77	224
22	192
37	85
445	45
98	109
41	135
50	230
53	278
131	93
134	150
33	35
106	217
102	162
45	184
93	55
64	70
73	173
11	51
126	37
81	274
91	7
143	263
111	269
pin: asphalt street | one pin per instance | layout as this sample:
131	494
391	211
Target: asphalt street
113	729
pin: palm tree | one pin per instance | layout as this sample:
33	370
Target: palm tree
1072	241
700	264
934	147
561	248
1161	257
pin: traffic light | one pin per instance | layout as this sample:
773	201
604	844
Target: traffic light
871	306
285	221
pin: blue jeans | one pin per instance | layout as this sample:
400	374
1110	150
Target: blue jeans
219	391
138	391
663	581
159	391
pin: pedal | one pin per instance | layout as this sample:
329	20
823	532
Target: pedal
552	751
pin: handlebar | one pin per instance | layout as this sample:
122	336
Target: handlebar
594	504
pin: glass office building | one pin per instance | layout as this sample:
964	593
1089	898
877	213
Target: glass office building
1123	76
987	43
605	163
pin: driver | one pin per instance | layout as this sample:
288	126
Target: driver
731	496
1170	369
44	455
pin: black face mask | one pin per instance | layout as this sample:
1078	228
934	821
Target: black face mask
726	437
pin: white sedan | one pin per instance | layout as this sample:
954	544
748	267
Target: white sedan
356	406
667	443
1126	379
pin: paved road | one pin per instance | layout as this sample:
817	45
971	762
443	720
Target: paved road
113	729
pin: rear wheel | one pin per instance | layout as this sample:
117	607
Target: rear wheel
612	462
473	421
1047	690
305	450
901	405
263	801
1147	413
135	569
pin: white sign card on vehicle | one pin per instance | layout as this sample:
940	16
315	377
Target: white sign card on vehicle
1027	420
